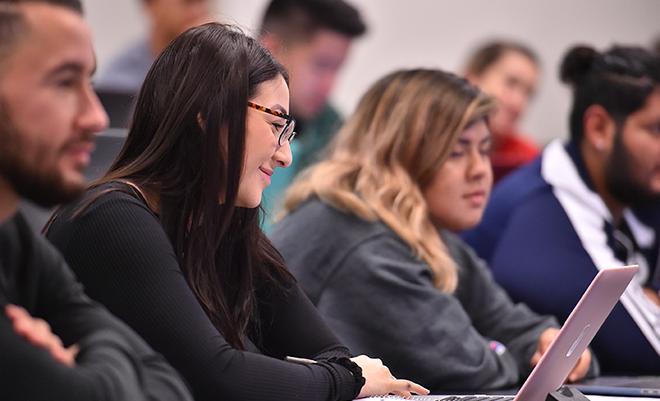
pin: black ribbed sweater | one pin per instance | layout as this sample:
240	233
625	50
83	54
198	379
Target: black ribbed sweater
122	255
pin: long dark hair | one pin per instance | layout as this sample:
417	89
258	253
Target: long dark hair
187	143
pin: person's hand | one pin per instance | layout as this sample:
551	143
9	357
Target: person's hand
581	367
652	295
379	380
37	332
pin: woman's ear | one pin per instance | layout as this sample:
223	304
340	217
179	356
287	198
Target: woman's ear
200	121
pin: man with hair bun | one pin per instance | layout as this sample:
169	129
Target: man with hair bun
590	204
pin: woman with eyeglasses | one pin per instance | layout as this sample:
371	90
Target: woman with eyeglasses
380	259
169	238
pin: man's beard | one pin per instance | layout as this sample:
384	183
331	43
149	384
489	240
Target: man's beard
620	177
39	183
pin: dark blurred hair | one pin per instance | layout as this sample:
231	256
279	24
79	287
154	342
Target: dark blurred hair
300	19
619	80
187	143
74	5
490	52
12	27
13	24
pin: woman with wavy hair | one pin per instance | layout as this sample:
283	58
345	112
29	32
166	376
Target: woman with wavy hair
169	238
368	233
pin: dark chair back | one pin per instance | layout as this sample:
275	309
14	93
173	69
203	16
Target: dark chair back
118	105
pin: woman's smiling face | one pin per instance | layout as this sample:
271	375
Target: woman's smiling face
262	152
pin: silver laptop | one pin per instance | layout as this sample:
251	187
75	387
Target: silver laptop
574	337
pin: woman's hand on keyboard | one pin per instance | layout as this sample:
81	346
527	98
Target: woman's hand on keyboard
379	380
581	367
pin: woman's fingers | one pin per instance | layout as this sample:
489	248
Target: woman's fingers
379	380
408	387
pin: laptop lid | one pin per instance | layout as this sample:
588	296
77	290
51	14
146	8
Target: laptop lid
576	334
574	337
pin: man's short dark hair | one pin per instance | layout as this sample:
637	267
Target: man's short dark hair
13	24
299	19
619	79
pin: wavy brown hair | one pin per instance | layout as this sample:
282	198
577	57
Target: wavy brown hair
402	131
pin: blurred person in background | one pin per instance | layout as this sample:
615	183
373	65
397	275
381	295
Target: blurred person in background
589	204
312	39
55	343
369	234
508	71
166	20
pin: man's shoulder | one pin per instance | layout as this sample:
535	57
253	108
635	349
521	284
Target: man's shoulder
330	113
327	122
523	191
522	183
524	188
34	262
27	242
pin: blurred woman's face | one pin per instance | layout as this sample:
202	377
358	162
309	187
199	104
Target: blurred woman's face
512	81
458	193
262	152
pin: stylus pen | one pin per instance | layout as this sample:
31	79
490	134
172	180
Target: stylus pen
622	391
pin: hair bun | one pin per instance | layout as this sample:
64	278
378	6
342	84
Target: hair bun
576	64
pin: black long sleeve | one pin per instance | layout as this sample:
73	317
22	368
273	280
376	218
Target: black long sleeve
121	254
113	362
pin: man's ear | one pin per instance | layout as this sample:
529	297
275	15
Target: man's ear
599	128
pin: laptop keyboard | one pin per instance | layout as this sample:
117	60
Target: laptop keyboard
444	398
477	398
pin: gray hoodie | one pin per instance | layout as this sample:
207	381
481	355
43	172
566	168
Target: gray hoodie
380	300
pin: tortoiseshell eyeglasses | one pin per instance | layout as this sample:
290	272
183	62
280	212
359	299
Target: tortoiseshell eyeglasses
286	131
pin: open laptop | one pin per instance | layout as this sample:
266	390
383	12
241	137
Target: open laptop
573	338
